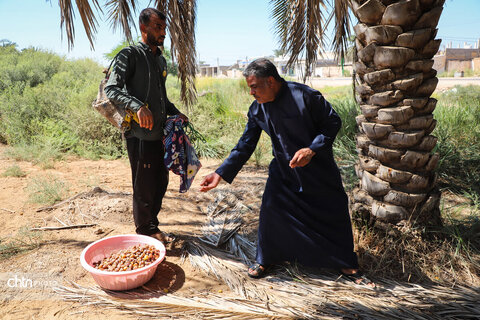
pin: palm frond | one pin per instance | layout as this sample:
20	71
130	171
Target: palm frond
181	19
150	304
66	20
162	5
280	15
301	26
88	18
120	13
67	15
224	221
342	27
299	293
296	36
314	34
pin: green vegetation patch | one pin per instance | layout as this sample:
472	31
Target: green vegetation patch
46	190
14	171
23	241
458	133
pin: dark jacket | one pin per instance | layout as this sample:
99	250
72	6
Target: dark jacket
133	69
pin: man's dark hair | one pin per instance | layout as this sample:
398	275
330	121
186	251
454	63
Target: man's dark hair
146	13
262	68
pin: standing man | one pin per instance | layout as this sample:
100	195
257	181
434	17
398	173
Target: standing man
137	83
304	213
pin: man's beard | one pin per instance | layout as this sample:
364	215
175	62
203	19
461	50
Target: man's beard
153	41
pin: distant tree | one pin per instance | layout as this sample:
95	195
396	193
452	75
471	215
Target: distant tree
110	55
7	43
278	52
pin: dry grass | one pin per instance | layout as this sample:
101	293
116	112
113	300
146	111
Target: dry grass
417	257
447	255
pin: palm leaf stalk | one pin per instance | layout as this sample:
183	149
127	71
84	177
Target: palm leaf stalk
67	15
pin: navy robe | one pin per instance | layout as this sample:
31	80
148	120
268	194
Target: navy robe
304	213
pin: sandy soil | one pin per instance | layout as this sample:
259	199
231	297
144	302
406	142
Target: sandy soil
56	261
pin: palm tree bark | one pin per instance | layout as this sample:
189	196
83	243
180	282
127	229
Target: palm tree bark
395	42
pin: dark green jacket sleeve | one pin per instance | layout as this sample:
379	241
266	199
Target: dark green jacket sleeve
115	89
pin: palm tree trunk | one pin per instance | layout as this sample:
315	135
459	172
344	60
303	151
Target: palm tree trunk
395	41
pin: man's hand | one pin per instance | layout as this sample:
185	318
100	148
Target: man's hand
209	182
145	118
301	158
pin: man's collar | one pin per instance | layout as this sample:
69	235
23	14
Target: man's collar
147	47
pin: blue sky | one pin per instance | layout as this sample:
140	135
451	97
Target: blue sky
226	30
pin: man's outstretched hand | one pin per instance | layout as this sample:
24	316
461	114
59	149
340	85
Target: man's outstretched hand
209	182
301	158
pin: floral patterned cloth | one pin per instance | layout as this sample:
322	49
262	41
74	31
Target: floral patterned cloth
180	156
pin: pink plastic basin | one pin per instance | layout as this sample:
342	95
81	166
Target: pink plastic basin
124	280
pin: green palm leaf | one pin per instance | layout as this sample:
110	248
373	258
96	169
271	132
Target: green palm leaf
300	26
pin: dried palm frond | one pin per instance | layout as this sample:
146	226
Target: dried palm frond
66	19
120	14
242	248
224	221
150	304
181	18
87	15
305	294
227	268
300	26
342	27
296	292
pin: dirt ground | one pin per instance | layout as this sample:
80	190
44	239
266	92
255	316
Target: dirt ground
56	261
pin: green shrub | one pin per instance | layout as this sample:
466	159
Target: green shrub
46	190
14	171
45	104
23	241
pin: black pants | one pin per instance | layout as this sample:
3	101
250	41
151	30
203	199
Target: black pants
150	180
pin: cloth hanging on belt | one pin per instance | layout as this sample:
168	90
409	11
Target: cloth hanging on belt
180	156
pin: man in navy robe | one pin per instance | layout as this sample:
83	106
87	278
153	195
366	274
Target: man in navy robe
304	214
